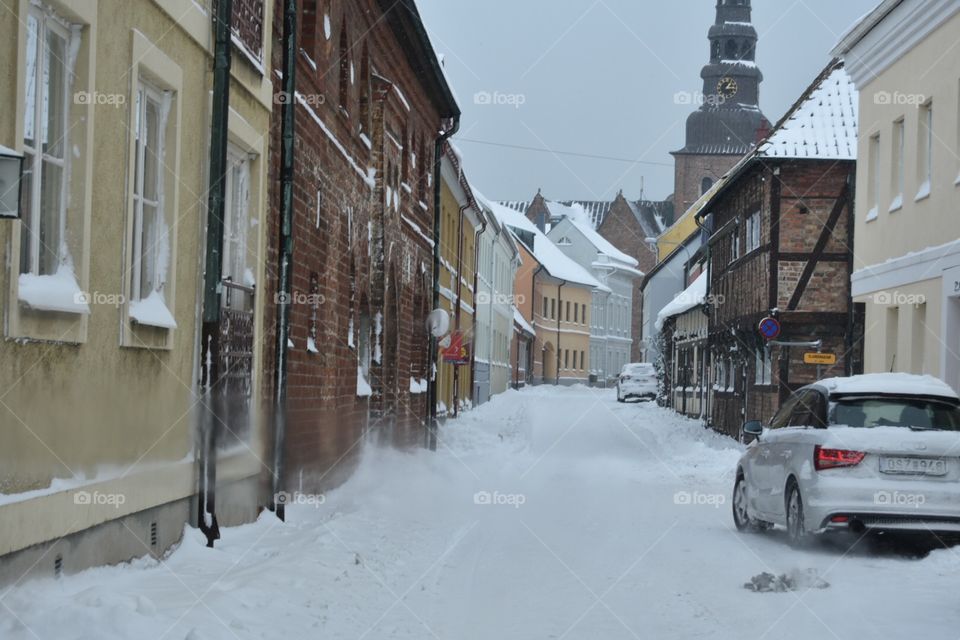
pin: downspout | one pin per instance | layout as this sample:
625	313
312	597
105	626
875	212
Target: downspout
456	310
285	257
559	316
476	288
432	378
707	404
493	271
213	271
851	309
543	362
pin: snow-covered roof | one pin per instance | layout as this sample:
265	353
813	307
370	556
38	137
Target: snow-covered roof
822	124
547	254
603	246
691	297
522	322
890	383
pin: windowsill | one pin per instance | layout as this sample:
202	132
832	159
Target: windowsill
873	214
924	192
57	293
897	204
152	312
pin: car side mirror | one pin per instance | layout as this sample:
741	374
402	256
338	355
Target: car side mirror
753	428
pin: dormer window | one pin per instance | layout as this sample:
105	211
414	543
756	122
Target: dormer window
564	242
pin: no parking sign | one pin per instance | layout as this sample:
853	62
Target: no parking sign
770	328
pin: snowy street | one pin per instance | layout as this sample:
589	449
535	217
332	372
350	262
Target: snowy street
545	514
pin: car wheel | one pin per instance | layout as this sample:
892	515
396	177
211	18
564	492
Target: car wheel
796	527
741	513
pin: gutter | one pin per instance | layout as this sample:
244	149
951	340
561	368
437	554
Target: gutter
285	284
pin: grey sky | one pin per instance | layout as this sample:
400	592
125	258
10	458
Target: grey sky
600	77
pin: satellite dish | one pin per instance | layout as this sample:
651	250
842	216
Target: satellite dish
438	323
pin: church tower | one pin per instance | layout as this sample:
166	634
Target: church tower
729	123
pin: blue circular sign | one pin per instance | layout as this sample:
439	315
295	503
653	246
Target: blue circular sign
770	328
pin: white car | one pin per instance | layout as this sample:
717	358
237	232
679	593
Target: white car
639	381
877	452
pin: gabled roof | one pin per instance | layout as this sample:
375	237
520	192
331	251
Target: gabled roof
601	244
822	124
645	211
553	260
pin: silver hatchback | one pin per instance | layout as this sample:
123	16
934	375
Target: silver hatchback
874	452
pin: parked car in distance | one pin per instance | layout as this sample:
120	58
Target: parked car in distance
637	381
878	452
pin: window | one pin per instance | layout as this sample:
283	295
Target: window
308	28
151	253
764	367
873	177
45	143
365	125
553	308
566	358
574	360
735	244
576	314
583	311
753	232
898	164
782	418
705	185
925	159
235	225
546	307
344	68
583	364
568	311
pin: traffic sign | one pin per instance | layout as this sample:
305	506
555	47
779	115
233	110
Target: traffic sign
770	328
820	358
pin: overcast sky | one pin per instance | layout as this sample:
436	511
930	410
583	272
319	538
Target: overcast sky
599	77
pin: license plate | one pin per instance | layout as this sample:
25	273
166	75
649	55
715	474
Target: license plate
914	466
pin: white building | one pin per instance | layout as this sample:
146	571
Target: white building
497	261
611	317
907	251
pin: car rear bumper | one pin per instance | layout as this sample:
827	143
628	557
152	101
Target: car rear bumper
910	505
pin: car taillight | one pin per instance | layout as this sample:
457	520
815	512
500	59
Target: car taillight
833	458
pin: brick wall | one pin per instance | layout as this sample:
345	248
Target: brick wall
689	172
360	245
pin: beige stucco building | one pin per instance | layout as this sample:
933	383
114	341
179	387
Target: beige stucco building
907	269
100	293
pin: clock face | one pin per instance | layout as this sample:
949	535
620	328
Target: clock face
727	88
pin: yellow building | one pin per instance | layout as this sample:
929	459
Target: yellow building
460	222
110	105
907	252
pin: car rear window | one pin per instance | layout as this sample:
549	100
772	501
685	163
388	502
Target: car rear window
914	413
639	370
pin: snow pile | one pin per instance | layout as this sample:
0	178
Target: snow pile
152	311
796	580
363	387
57	292
890	383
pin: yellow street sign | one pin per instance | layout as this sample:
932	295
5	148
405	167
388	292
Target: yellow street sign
820	358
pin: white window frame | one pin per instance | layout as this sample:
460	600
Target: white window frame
899	163
925	148
236	223
36	159
763	374
754	233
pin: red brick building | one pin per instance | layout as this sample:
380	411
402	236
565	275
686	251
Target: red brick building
371	99
782	223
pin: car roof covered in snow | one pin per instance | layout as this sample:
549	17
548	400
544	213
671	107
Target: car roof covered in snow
898	384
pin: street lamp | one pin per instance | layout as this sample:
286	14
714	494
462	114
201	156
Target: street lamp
11	171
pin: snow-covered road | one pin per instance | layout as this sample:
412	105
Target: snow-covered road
551	513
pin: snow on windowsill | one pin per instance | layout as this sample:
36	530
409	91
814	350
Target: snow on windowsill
897	203
152	311
58	292
363	387
418	387
873	214
924	192
312	345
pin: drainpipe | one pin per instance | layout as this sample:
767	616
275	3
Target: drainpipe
285	257
708	404
493	271
432	378
456	309
476	288
213	270
543	362
559	316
